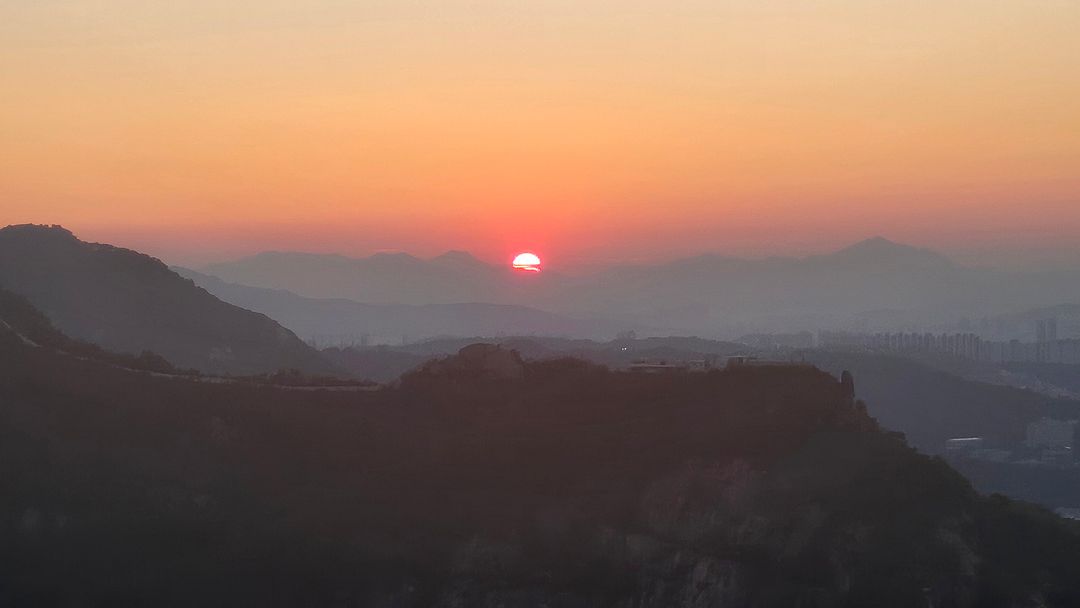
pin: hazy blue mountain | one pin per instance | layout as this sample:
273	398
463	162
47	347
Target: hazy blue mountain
889	283
336	320
385	278
874	284
128	302
879	253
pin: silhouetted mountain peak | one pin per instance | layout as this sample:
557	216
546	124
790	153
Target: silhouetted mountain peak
456	255
128	302
876	245
54	244
880	250
54	231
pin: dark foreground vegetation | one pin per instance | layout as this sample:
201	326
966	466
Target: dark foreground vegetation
483	480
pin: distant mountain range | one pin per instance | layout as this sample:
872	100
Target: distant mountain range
874	284
384	278
338	320
128	302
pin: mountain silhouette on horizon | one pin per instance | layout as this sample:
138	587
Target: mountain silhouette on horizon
880	250
893	284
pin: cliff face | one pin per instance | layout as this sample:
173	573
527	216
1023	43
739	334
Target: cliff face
486	481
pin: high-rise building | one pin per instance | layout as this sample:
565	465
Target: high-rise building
1046	330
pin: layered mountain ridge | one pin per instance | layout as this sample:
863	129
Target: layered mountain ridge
128	302
875	282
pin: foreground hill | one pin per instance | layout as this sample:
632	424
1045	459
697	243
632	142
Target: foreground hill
483	480
384	364
929	405
129	302
928	402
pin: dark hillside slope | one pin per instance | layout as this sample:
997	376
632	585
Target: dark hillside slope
129	302
18	316
930	405
483	480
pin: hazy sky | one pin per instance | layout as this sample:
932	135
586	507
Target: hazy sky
586	130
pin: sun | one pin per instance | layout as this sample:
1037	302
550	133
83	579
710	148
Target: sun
526	262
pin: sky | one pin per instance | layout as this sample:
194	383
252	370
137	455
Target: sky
592	132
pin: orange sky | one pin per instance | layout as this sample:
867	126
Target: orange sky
590	130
